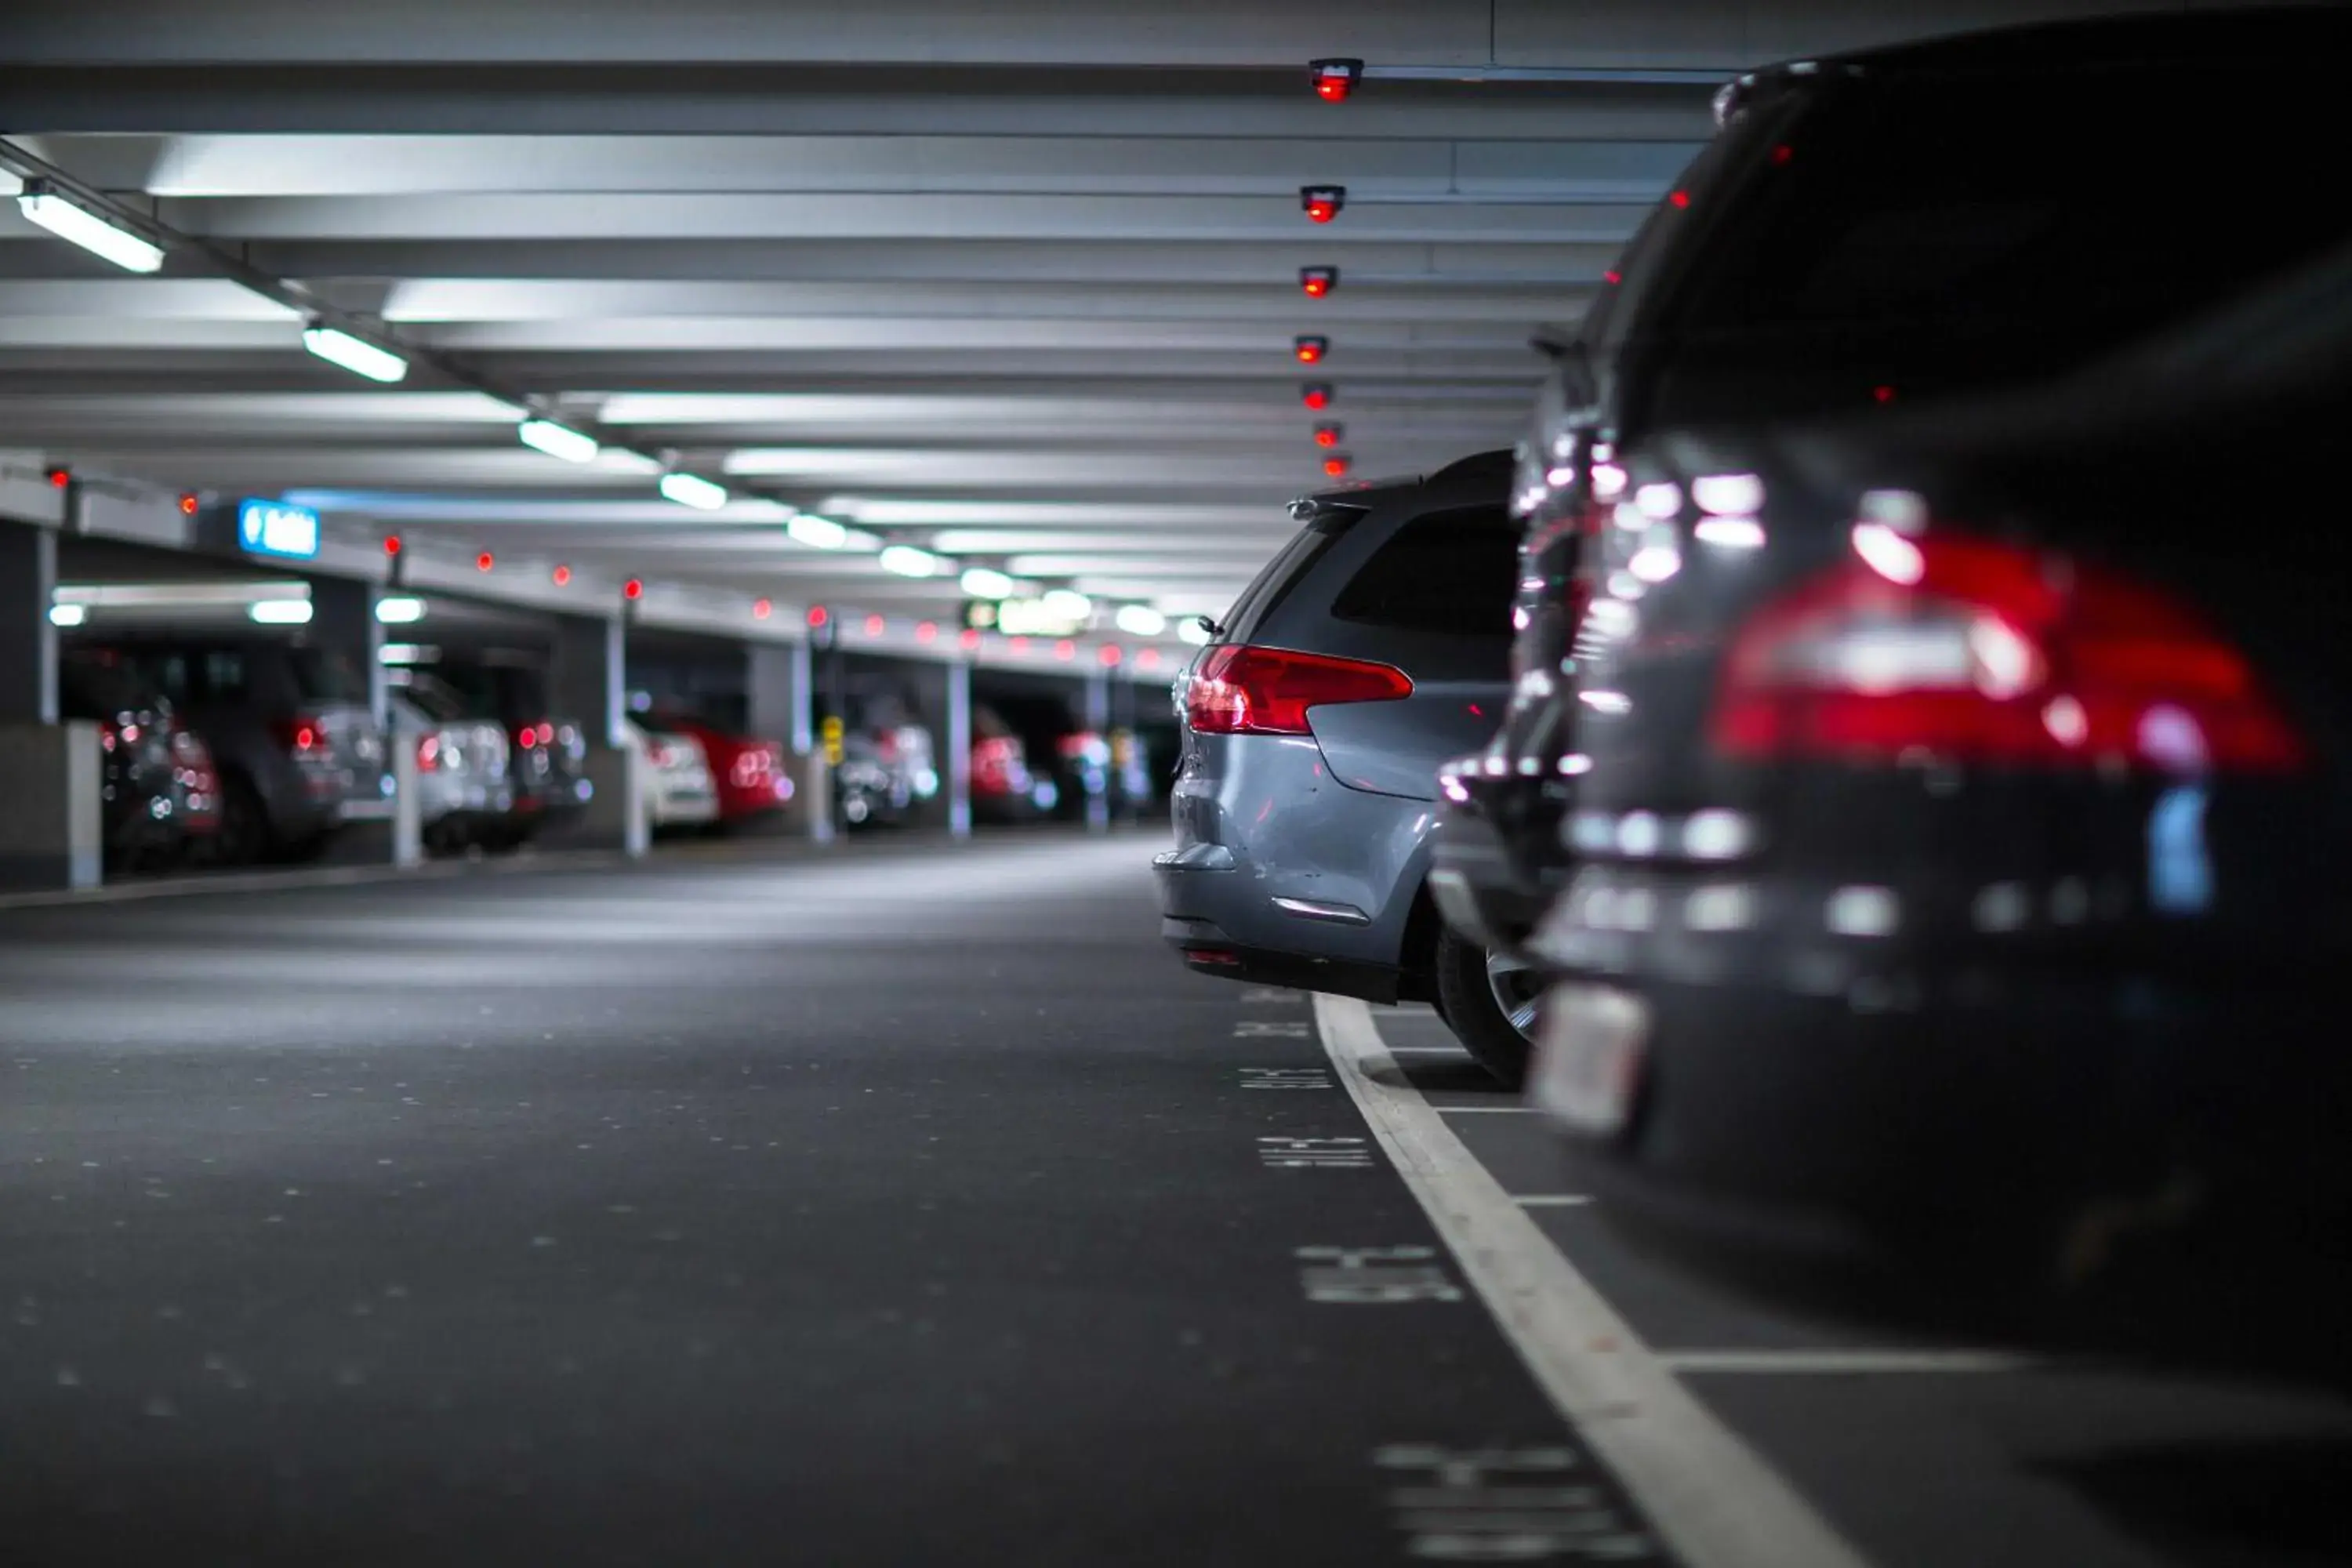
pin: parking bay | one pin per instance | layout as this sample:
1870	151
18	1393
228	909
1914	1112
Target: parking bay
889	1206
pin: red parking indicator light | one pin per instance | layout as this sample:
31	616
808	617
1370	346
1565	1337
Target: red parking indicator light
816	616
1317	281
1679	199
61	477
926	631
1065	649
1322	203
1334	80
1328	435
874	625
1612	277
1336	466
1110	654
969	638
1310	350
1018	645
632	589
391	545
1147	660
562	575
188	503
1315	395
761	609
484	562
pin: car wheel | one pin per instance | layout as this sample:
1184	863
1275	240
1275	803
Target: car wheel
1489	1000
244	838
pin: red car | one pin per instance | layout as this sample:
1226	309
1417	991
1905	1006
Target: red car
751	774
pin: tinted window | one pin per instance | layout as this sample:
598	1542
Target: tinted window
1451	572
224	676
2028	209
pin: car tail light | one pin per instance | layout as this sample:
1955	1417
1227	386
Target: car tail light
306	739
1243	690
661	754
750	768
1982	651
428	753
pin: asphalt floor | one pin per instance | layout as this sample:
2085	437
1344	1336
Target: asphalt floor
901	1204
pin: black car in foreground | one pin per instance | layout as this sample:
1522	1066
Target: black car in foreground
1872	234
1960	918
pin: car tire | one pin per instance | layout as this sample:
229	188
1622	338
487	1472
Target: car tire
1471	988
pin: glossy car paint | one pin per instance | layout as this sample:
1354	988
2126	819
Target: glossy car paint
1632	369
1308	853
2049	1048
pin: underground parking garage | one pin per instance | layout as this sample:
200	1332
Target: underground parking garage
1471	781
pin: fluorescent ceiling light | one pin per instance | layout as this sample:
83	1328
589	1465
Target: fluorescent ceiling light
94	234
817	533
359	357
399	611
908	561
558	440
1069	603
177	595
68	614
1141	620
1192	631
986	583
281	612
694	491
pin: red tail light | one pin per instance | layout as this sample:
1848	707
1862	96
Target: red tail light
428	753
305	738
1989	652
1242	691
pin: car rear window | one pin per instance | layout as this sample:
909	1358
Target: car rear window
1450	571
1279	575
2066	205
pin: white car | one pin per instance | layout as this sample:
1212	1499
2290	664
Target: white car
678	788
463	787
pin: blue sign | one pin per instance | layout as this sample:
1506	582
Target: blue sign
274	528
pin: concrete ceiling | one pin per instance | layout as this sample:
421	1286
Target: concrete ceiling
1016	281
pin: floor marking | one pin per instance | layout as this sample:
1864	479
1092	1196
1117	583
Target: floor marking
1551	1200
1841	1362
1260	1029
1286	1078
1427	1051
1374	1275
1273	996
1508	1505
1713	1498
1315	1153
1483	1110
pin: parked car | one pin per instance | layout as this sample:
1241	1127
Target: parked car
887	762
141	757
288	726
1004	789
1959	913
197	780
750	775
547	752
1373	645
679	792
465	794
1872	233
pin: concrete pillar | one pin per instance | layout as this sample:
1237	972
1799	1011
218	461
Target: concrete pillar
407	809
816	794
51	826
1098	721
342	622
28	642
589	685
957	762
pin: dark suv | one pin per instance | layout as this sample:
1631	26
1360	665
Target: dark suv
290	730
1373	645
1877	231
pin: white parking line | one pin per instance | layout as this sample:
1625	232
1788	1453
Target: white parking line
1484	1110
1841	1363
1551	1200
1711	1496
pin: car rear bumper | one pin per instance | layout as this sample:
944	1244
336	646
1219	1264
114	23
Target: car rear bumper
2135	1155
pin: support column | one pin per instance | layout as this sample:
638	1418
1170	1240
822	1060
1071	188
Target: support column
51	828
28	642
342	622
959	757
1098	721
589	685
